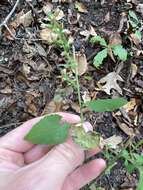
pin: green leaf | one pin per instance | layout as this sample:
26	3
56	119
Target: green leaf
121	52
138	159
101	41
138	35
48	130
133	19
133	15
103	105
98	59
140	184
130	167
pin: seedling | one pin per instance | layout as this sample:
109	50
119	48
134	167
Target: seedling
134	161
52	130
117	49
135	24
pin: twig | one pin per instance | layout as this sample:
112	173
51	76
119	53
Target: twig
4	23
10	124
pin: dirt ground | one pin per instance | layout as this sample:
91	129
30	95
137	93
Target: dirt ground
30	74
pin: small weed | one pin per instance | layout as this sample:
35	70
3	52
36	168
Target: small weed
135	24
116	49
50	129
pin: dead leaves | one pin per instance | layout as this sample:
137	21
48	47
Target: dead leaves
82	63
22	18
47	8
110	81
112	141
48	36
80	7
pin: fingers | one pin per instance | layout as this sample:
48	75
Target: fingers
84	174
15	139
36	153
91	153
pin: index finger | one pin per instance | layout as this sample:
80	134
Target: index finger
14	140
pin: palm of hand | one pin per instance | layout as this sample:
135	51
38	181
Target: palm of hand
24	166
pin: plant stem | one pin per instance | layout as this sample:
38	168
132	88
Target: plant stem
78	86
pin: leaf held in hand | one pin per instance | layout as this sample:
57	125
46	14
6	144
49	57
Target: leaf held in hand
98	59
87	140
108	105
49	130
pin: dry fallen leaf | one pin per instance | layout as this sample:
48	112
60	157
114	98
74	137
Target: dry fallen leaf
92	31
111	83
86	97
26	69
135	39
128	131
130	105
107	17
89	32
82	63
6	90
48	35
26	19
52	107
113	141
140	8
80	7
134	70
115	39
31	107
47	8
58	14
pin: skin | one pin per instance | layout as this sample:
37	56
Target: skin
24	166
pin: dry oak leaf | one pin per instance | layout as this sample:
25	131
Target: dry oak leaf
111	83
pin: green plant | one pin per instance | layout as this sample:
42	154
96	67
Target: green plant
117	50
46	130
135	24
51	130
134	161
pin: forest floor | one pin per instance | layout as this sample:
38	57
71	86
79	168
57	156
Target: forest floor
31	76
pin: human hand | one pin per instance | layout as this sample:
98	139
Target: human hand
24	166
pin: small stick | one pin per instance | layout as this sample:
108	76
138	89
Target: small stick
4	23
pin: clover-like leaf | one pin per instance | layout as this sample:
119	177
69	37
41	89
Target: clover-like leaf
49	130
108	105
99	39
138	35
121	52
140	184
98	59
